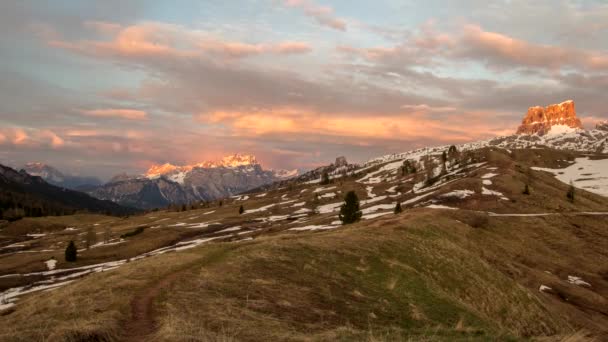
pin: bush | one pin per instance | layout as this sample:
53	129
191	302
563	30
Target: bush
570	194
325	178
349	212
398	208
137	230
241	210
71	252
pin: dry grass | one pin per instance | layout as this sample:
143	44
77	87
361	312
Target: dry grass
424	275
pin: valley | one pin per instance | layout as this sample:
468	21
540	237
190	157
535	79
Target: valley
492	260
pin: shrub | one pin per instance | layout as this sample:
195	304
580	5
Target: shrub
241	210
137	230
570	193
398	208
71	252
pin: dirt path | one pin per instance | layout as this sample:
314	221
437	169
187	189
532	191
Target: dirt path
141	325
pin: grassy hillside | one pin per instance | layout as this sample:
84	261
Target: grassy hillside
491	267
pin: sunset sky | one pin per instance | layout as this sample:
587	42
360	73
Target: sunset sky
109	86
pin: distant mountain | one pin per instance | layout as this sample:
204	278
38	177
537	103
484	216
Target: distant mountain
22	194
168	184
56	177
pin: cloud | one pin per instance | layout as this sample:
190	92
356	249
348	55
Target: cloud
323	15
20	137
504	51
130	114
55	140
429	47
164	40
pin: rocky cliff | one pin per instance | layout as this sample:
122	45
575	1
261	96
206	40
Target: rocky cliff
540	120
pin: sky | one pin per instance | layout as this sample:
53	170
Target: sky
110	86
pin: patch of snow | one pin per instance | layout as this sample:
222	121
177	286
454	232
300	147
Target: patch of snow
560	129
328	195
373	216
487	182
299	204
459	193
489	175
488	192
322	189
302	211
544	288
378	207
578	281
231	229
439	206
262	195
264	208
51	264
329	208
586	174
313	228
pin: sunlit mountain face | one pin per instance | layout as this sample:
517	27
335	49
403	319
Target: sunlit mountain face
151	87
230	161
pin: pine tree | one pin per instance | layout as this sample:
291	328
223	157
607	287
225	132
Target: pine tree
349	212
444	160
398	208
526	190
570	194
71	252
241	210
325	178
220	204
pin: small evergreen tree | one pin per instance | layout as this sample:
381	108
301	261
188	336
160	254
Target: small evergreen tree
325	178
398	209
71	252
570	194
220	204
526	190
444	160
349	212
241	210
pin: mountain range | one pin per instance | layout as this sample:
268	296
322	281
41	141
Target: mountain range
555	126
167	184
22	194
56	177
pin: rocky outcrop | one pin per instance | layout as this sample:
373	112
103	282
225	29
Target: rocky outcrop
341	161
602	125
540	120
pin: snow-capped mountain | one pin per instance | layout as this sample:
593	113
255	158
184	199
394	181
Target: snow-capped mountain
166	184
56	177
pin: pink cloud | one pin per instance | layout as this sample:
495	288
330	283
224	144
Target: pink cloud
160	39
55	140
323	15
20	137
130	114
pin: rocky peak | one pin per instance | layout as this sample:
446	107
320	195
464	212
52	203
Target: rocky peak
602	125
540	120
341	161
44	171
231	161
